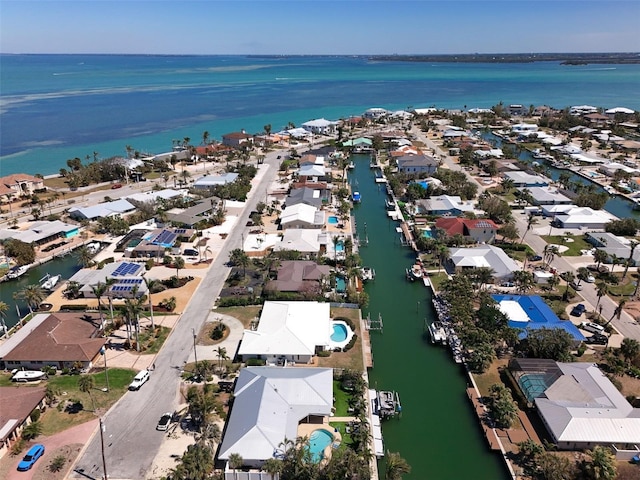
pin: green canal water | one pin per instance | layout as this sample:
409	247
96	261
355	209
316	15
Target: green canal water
437	431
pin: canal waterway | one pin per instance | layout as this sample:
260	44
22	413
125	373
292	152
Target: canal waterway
437	431
616	205
66	266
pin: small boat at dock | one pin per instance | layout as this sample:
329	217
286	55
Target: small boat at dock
368	273
437	333
49	282
16	272
386	404
355	197
415	272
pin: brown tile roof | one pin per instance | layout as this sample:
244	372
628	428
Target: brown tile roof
62	337
17	403
462	226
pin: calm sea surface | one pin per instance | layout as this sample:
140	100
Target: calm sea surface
56	107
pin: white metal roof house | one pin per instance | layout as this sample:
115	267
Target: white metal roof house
547	196
484	256
303	240
320	126
106	209
301	215
581	408
209	181
613	245
417	164
445	205
524	179
291	331
312	170
269	405
583	217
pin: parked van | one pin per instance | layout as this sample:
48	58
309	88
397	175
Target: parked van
140	379
190	252
592	327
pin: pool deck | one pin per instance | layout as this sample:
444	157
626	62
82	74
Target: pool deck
306	429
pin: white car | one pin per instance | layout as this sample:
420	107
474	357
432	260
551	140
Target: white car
590	279
140	379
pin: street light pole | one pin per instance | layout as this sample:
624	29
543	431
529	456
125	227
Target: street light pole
106	371
195	352
104	462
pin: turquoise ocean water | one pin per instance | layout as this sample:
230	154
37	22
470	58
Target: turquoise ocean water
56	107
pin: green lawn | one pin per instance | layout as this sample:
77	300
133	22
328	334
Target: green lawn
575	247
341	402
55	420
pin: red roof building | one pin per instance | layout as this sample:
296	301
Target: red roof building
479	230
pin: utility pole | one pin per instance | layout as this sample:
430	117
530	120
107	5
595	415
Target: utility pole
104	462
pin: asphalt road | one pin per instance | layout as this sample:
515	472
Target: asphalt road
131	441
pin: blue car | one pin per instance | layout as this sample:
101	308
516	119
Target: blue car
30	458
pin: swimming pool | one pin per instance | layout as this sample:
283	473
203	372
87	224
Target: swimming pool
532	385
427	233
134	242
339	333
341	285
340	247
333	220
318	441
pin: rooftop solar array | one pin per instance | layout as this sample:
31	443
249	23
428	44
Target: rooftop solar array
180	231
130	281
483	224
165	238
125	269
122	288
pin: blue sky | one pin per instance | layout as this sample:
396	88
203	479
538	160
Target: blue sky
318	26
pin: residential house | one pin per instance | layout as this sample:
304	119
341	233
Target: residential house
478	230
547	196
417	164
579	406
288	331
483	256
315	197
192	215
60	340
19	185
312	172
105	209
583	217
125	279
446	205
300	276
301	215
16	406
615	246
305	240
210	181
270	406
236	139
320	126
42	232
524	179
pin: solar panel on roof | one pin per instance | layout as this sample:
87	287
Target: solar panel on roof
181	230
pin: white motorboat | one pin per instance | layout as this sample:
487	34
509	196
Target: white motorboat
50	282
368	273
415	272
437	332
16	272
28	376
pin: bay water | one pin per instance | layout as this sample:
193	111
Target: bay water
57	107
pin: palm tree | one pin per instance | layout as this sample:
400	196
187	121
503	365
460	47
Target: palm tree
235	462
221	353
524	280
205	137
99	289
617	313
600	256
32	295
602	288
550	252
133	308
86	384
84	256
4	308
531	221
178	263
602	465
630	348
582	274
443	255
151	283
272	466
632	245
396	466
